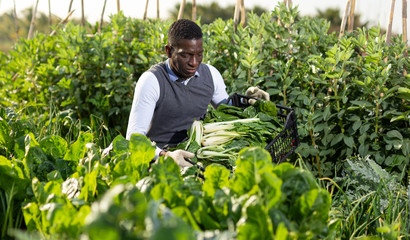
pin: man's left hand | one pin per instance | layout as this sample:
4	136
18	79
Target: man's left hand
257	93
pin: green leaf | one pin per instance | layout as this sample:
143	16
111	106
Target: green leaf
32	214
337	139
77	150
39	191
142	151
349	141
34	158
255	222
5	140
359	82
245	63
120	145
270	187
326	113
282	168
281	232
312	210
363	149
55	146
12	179
394	134
403	93
296	182
267	107
119	213
201	212
184	213
216	177
251	163
356	125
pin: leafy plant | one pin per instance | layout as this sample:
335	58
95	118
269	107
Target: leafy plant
370	200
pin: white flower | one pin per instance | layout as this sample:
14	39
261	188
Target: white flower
313	69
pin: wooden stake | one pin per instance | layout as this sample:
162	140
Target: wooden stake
389	28
193	10
146	10
118	6
181	9
158	9
50	20
102	17
404	13
351	16
243	15
69	7
82	14
236	13
62	22
16	22
33	22
343	25
289	3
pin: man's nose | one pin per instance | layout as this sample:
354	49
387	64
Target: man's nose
194	61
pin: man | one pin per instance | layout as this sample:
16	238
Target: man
172	94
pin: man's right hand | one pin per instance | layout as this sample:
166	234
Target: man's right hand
179	156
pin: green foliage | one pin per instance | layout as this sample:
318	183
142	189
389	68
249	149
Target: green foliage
91	74
368	194
112	193
65	97
341	89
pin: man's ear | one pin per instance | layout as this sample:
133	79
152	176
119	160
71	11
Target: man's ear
168	50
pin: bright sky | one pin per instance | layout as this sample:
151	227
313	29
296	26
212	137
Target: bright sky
374	11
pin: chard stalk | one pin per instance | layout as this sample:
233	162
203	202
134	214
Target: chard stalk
212	127
216	151
216	140
195	133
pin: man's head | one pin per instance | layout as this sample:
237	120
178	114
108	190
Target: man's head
183	29
184	48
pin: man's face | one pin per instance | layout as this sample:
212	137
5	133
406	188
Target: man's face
185	57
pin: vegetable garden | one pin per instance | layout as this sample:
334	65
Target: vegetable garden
67	172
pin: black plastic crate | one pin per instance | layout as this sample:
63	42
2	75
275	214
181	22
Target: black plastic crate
285	143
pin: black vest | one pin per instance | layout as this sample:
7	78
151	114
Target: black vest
179	105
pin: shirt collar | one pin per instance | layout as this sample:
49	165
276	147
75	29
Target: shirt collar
172	75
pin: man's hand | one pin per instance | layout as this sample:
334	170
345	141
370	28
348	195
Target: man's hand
257	93
179	157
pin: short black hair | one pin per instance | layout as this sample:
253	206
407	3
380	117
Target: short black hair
183	29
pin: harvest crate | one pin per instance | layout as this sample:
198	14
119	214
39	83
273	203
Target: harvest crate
285	143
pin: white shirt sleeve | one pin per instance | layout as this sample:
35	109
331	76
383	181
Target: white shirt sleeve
145	99
220	94
146	96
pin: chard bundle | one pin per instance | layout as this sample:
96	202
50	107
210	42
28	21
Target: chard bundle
226	131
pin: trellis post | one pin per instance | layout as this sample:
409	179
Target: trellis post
343	25
193	10
389	27
236	13
181	9
351	16
33	22
16	23
146	10
102	17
